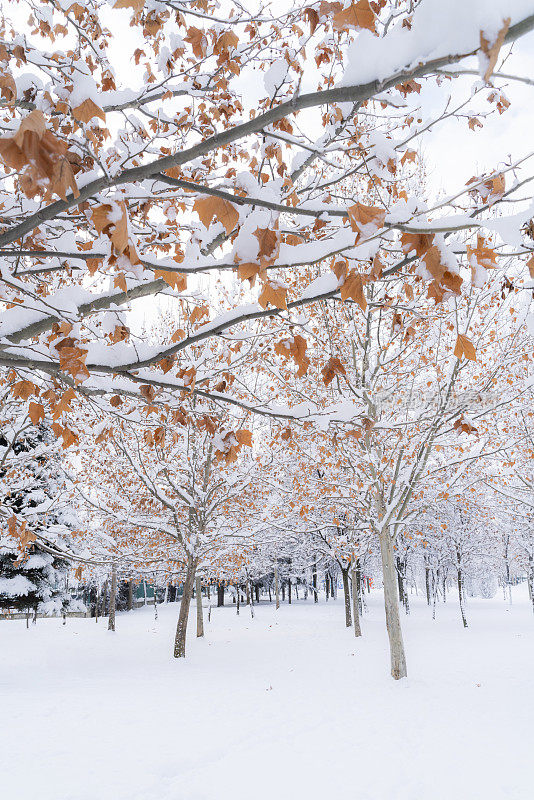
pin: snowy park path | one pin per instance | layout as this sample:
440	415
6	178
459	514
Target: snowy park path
289	704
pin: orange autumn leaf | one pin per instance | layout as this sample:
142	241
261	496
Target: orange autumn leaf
491	51
176	280
23	389
36	413
273	294
209	208
465	348
353	289
362	218
358	15
8	88
332	368
87	110
136	5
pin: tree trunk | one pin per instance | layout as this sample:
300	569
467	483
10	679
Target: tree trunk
530	580
130	595
314	583
427	584
220	595
283	591
183	616
346	592
112	598
289	592
460	596
355	601
257	587
276	586
327	585
200	620
238	599
391	604
247	589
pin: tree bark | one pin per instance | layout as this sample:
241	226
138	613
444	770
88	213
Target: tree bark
220	595
276	586
391	604
314	583
346	593
289	591
112	598
130	595
247	589
355	601
181	628
460	596
200	619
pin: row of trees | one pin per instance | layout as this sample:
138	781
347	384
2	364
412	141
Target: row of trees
333	350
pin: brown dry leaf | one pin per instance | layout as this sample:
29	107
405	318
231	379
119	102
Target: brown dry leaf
474	123
244	437
332	368
432	261
484	255
273	294
136	5
296	349
465	347
492	51
36	413
197	39
361	216
353	289
209	207
176	280
198	313
269	241
8	88
408	155
249	272
87	110
34	123
530	265
225	42
23	389
358	15
313	19
420	242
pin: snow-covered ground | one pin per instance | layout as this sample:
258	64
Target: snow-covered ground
288	704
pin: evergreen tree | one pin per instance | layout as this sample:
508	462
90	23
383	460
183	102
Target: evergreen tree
37	520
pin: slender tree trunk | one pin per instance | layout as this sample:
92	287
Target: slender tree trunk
220	595
346	593
391	603
427	585
355	601
257	593
183	616
238	599
247	589
461	596
283	591
130	595
530	580
208	591
314	583
276	586
289	591
112	598
327	585
200	619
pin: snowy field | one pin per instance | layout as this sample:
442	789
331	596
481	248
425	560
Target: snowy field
289	704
